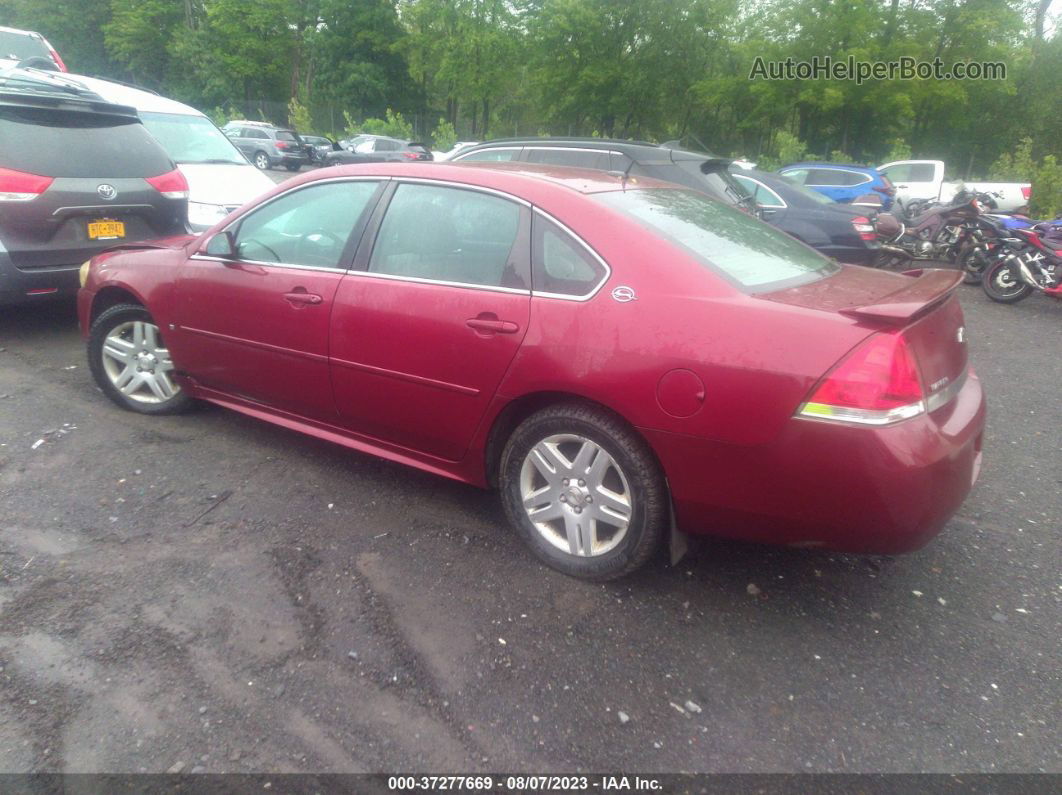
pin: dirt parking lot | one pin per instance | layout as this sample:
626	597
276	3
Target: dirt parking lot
210	592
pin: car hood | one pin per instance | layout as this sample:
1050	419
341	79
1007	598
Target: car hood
227	185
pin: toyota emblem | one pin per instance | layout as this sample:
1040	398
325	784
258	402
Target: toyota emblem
106	192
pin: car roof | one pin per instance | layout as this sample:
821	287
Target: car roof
41	88
500	176
824	164
640	151
117	93
24	32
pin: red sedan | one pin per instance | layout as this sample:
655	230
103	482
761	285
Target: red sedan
618	357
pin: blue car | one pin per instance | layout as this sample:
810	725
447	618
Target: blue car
842	182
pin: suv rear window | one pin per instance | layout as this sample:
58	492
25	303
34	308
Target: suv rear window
55	143
20	46
284	135
745	251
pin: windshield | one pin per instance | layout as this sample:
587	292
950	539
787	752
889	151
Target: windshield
747	252
19	46
191	139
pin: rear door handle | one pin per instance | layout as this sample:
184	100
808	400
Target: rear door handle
492	325
302	297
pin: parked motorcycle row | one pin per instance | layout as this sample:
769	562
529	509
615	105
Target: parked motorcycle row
1009	254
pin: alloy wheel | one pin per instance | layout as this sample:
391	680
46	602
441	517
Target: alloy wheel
576	495
138	364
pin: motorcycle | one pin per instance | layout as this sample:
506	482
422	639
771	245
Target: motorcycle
937	234
1029	260
984	245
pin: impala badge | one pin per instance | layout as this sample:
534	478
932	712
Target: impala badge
106	192
623	294
961	334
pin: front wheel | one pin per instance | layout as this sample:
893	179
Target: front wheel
131	364
584	491
1002	282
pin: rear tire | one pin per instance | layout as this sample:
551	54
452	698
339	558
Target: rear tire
131	364
584	491
1003	283
291	166
261	159
972	264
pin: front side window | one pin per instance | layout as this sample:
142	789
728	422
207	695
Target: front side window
449	235
750	254
307	227
559	264
490	155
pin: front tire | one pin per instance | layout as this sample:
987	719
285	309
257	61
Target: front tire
131	364
1002	282
584	491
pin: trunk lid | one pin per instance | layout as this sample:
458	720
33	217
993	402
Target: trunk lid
920	303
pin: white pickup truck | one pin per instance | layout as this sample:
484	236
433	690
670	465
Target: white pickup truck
924	179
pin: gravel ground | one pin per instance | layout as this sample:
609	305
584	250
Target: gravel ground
208	592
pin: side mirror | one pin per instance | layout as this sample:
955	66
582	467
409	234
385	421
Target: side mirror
222	245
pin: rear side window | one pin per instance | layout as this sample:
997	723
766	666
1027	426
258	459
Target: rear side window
559	263
449	235
748	253
569	157
763	196
55	143
491	155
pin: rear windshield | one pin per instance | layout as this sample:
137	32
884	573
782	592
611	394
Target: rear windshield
55	143
747	252
417	147
19	46
284	135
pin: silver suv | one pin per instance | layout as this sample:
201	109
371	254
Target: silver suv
268	146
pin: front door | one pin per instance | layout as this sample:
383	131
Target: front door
424	334
254	323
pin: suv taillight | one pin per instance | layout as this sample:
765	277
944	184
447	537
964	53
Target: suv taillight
281	145
58	60
412	155
1026	192
864	227
876	384
172	184
20	186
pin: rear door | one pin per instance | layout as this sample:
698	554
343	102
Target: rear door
91	173
426	327
255	325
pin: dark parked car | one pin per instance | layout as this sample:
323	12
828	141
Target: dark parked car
611	356
28	49
77	175
837	230
704	172
268	146
377	149
317	146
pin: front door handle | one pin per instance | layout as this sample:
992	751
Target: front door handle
491	325
300	296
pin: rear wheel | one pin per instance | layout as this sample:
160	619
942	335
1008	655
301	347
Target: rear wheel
261	159
972	261
584	491
291	166
1002	282
131	364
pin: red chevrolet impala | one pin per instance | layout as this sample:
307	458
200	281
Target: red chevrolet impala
618	357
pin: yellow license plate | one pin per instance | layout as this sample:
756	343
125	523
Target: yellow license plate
106	230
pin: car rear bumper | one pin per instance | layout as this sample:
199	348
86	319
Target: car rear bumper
21	286
821	484
853	255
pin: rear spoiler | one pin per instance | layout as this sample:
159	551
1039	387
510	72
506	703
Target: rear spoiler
929	287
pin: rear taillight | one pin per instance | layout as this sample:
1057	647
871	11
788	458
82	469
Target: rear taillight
172	184
864	227
888	190
1026	192
19	186
281	145
412	155
58	61
877	384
